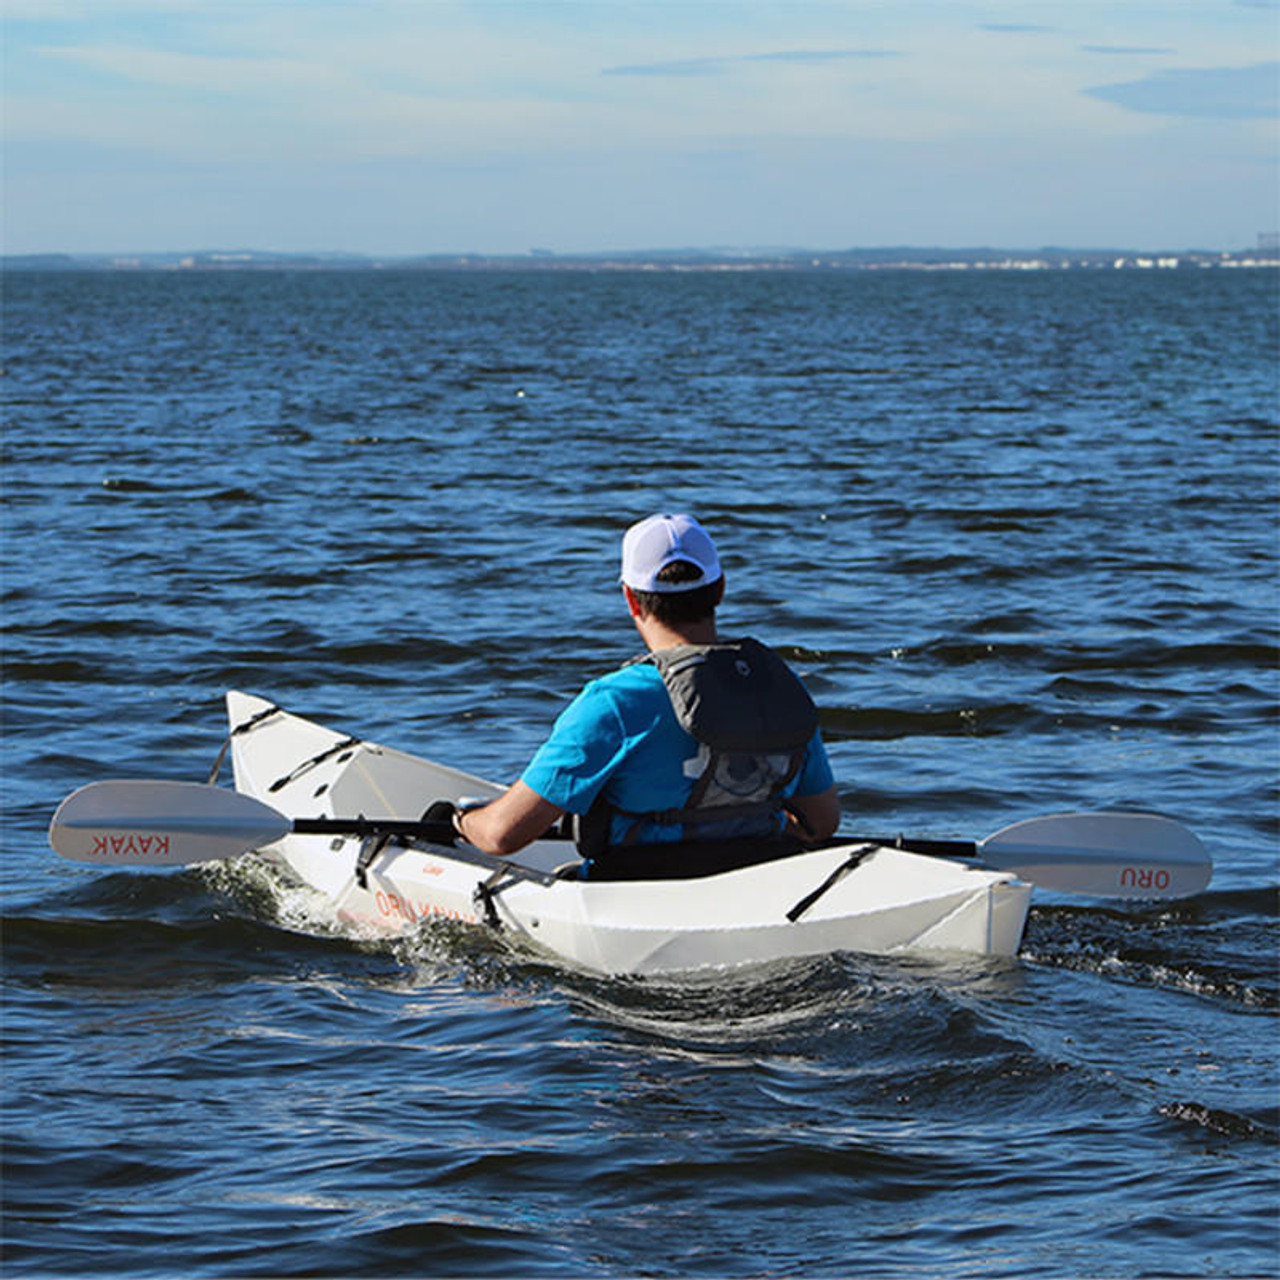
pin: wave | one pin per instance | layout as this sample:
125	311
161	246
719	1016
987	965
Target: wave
1219	946
1230	1124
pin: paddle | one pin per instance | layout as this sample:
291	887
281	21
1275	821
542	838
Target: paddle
175	824
1102	855
172	824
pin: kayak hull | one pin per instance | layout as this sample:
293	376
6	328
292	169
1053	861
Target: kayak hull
876	900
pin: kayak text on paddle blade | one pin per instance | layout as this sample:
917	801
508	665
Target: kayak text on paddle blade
1110	855
161	824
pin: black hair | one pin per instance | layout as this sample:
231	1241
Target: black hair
680	607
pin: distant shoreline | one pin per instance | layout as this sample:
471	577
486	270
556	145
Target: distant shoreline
1267	254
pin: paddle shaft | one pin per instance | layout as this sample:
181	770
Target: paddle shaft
444	833
439	832
933	848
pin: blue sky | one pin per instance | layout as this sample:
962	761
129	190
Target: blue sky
427	126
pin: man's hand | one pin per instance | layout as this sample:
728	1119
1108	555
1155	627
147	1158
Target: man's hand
503	826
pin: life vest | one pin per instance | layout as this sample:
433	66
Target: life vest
752	719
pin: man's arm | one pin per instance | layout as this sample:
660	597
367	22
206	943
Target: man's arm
503	826
821	814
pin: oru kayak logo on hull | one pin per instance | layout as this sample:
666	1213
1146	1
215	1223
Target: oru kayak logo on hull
131	846
1145	878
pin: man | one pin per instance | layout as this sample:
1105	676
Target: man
701	755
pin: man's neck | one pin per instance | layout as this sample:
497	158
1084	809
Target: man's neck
661	635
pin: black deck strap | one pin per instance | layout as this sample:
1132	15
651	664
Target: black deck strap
833	879
369	849
488	890
344	745
251	723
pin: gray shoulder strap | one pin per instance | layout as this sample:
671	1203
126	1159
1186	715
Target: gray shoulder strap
737	696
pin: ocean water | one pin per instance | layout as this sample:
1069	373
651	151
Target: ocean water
1019	533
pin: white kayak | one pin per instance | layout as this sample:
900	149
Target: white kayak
846	897
339	816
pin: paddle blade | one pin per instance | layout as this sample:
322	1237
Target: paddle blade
161	824
1105	855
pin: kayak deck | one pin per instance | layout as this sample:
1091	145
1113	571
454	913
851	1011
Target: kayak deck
839	898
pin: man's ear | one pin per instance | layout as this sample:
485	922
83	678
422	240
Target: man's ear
633	605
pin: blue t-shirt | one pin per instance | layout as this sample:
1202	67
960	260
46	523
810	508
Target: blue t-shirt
620	735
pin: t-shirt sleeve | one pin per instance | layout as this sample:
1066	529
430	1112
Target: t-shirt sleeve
585	746
816	776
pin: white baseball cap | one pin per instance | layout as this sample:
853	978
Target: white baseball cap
656	542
